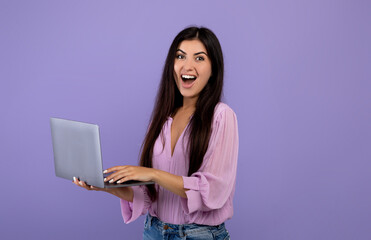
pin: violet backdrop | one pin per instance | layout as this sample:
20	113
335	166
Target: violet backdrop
297	74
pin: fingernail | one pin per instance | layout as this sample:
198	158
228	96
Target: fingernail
80	183
74	178
104	179
105	171
119	181
111	181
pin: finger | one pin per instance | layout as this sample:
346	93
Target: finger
76	181
110	177
84	185
131	173
126	176
113	178
112	169
79	183
124	179
116	176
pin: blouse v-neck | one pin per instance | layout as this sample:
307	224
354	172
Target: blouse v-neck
172	151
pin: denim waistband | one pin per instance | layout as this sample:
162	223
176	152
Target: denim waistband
181	229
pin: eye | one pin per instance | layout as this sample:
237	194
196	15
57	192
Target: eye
179	56
199	58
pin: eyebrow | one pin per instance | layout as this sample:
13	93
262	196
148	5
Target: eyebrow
193	54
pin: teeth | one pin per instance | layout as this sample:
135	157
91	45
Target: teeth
188	77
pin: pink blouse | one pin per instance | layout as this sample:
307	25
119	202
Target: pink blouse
210	196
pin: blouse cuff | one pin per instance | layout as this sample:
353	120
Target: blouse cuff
132	210
193	202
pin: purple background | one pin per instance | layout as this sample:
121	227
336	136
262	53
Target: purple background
297	75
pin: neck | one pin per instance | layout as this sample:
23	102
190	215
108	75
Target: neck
189	103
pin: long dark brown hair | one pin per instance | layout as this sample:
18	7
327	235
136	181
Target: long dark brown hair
169	99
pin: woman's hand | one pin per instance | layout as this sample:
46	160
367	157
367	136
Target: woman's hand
88	187
125	193
125	173
166	180
122	174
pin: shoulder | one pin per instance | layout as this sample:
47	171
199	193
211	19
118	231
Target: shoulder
223	113
223	109
224	126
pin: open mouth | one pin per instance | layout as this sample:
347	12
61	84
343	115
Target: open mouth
188	79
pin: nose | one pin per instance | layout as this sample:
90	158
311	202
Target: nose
188	65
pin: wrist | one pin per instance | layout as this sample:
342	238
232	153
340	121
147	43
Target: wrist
155	175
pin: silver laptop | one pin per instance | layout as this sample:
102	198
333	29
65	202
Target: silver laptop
77	153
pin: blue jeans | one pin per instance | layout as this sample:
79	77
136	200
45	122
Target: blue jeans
154	229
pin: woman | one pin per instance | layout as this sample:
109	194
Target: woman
190	149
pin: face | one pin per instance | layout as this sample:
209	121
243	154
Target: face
192	68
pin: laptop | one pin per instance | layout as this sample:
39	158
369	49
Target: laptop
77	153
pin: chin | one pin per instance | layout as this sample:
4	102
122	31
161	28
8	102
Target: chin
189	95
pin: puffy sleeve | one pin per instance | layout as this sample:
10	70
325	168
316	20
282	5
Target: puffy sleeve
132	210
214	183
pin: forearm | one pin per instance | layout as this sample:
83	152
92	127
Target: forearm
125	193
171	182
